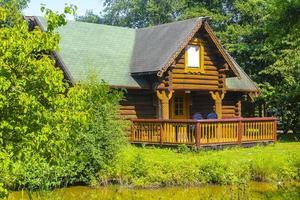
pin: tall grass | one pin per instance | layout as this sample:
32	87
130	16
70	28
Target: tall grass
154	167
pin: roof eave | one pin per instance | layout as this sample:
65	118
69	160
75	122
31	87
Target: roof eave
57	57
143	73
221	48
127	87
64	68
182	46
242	90
201	20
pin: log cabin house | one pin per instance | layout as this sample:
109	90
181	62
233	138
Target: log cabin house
170	71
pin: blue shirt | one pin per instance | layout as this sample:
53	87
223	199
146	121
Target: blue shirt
197	116
212	116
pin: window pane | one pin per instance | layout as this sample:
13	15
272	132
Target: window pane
178	104
193	56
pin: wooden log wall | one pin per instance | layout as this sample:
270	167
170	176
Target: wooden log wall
140	104
212	79
230	105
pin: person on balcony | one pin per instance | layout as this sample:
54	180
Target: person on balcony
197	116
212	115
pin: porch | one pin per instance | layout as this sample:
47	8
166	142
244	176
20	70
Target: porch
203	132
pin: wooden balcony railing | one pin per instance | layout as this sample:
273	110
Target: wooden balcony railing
203	132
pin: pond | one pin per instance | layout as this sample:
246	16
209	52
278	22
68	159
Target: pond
252	191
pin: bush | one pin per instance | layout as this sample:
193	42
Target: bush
83	137
54	134
150	167
98	142
4	172
182	148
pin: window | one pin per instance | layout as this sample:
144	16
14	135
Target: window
194	56
193	60
178	105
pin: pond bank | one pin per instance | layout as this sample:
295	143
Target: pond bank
251	191
155	167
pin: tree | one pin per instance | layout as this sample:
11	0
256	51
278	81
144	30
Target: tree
31	89
141	13
281	79
90	17
51	134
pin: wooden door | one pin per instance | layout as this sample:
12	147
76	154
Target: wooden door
180	106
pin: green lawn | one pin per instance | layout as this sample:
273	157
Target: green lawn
151	167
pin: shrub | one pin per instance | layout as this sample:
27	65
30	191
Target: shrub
97	142
83	137
4	172
54	134
182	148
151	167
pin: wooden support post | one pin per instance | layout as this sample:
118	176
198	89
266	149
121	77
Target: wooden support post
132	136
198	134
161	136
275	130
239	106
164	97
165	108
240	131
218	97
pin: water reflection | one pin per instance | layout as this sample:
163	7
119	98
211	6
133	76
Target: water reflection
251	191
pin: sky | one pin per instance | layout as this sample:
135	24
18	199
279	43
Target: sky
58	5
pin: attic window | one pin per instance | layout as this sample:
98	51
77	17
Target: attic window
194	56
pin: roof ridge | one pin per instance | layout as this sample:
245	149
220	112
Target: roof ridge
174	22
80	22
97	24
125	27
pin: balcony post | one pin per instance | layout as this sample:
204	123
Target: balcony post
275	130
197	134
132	131
161	136
218	97
164	97
240	131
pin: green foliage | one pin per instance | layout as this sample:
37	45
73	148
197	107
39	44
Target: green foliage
183	149
55	19
90	17
99	140
283	75
4	172
140	13
150	167
20	4
50	134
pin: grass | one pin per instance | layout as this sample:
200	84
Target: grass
155	167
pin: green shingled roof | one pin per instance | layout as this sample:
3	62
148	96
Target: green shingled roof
110	52
87	48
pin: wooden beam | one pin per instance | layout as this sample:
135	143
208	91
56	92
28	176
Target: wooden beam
180	71
194	87
220	48
196	81
218	96
194	76
164	96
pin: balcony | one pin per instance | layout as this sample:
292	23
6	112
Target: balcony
203	132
